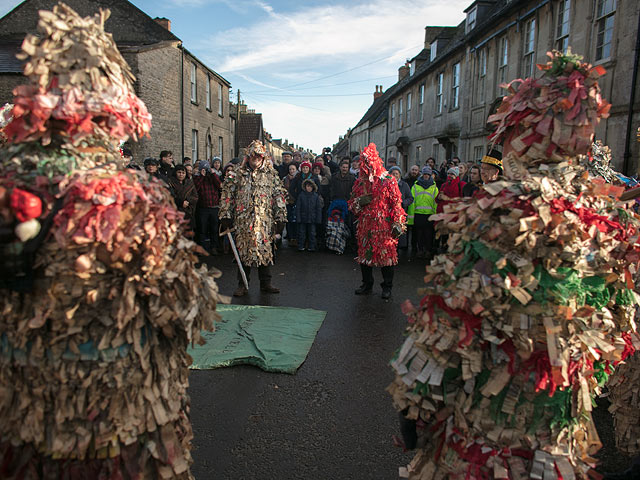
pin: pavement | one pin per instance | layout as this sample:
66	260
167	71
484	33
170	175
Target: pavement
333	419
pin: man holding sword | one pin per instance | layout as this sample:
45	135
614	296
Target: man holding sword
253	204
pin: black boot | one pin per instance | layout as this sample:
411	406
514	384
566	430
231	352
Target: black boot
387	283
363	289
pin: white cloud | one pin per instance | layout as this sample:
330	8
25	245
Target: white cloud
307	127
335	32
256	82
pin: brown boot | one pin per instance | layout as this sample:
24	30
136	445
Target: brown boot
241	291
268	288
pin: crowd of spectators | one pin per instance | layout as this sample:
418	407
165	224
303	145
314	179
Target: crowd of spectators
317	193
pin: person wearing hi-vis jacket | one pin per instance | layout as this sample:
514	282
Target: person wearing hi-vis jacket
425	193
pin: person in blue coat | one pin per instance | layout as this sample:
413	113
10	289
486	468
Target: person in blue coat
308	214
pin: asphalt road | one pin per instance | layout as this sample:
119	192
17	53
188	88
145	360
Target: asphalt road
333	418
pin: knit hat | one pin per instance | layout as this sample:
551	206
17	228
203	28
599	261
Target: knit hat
395	167
308	164
426	170
320	165
151	161
204	164
454	170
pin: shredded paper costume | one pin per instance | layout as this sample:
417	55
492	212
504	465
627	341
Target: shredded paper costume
533	306
377	245
99	294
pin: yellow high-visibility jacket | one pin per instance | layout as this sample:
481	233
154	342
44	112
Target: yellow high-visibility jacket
424	201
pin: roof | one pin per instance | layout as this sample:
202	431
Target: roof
8	61
131	27
220	77
127	22
249	128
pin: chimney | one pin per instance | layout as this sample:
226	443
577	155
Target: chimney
378	93
403	71
163	22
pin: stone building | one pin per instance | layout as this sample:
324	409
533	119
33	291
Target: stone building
439	106
189	101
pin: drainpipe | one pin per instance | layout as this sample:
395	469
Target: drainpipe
634	78
182	102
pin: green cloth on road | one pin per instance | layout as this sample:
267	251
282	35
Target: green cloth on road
276	339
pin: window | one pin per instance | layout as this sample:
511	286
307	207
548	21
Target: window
194	84
503	60
477	153
439	93
409	108
434	152
418	154
209	148
194	145
562	29
433	51
421	103
220	111
482	75
471	20
605	14
400	119
412	68
455	86
208	93
220	145
393	116
529	43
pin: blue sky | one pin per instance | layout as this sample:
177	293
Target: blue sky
310	67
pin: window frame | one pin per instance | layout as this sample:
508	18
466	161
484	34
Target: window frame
393	116
408	115
529	55
194	83
503	59
601	19
481	75
439	91
563	25
194	145
435	149
455	86
471	20
478	153
400	114
220	148
421	102
433	50
208	93
220	103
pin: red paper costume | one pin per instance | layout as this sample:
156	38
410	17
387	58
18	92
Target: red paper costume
377	246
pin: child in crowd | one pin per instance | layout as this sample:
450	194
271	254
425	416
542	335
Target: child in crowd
337	230
308	214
